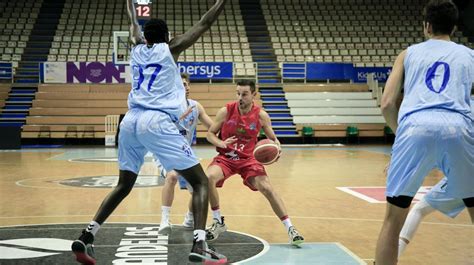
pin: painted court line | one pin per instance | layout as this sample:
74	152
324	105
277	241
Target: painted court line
358	195
244	216
350	253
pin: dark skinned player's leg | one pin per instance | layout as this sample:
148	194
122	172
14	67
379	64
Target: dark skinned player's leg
126	181
82	247
198	180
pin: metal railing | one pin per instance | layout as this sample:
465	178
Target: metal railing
293	71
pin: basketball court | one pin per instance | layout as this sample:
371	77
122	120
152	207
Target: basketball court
334	195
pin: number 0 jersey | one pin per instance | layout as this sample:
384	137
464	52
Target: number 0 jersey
438	75
244	127
156	81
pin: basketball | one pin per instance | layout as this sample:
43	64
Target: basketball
266	152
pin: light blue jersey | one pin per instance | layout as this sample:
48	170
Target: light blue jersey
156	102
435	122
190	121
156	81
438	75
188	125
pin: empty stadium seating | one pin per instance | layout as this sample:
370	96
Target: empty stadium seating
331	109
366	33
15	27
4	89
86	27
78	111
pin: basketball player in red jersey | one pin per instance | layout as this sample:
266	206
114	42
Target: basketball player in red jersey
235	133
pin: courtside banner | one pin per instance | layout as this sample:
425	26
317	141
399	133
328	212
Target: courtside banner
207	70
380	73
54	72
97	72
85	72
329	71
101	72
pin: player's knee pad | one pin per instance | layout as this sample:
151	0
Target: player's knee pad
469	202
423	208
400	201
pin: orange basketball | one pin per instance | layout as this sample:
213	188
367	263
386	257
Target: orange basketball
266	151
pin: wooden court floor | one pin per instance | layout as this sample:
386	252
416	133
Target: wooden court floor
305	177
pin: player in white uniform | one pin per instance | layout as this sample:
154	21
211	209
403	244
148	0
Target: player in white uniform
435	200
434	125
189	122
156	103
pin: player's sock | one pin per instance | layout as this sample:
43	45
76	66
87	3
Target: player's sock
216	213
93	227
199	235
165	214
402	244
286	222
190	215
188	220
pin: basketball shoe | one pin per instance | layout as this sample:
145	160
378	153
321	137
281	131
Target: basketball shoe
188	222
295	237
202	253
165	228
212	233
84	249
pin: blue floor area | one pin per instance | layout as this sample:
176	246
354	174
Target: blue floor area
308	253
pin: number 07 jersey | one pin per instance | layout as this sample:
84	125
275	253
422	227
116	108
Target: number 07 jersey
156	81
438	75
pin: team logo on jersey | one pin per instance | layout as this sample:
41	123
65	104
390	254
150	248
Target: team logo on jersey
191	121
241	131
231	122
253	126
187	150
232	155
116	243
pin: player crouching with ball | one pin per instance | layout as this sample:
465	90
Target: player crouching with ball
235	133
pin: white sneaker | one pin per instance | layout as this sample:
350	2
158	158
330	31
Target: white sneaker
295	237
165	228
188	222
212	233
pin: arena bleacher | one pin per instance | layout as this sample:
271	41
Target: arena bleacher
258	37
79	111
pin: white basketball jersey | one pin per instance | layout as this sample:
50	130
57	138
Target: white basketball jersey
156	81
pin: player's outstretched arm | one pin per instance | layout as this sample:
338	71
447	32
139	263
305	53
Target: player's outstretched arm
393	92
266	123
182	42
135	31
203	117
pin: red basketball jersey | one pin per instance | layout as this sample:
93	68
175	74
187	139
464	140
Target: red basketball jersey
244	127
